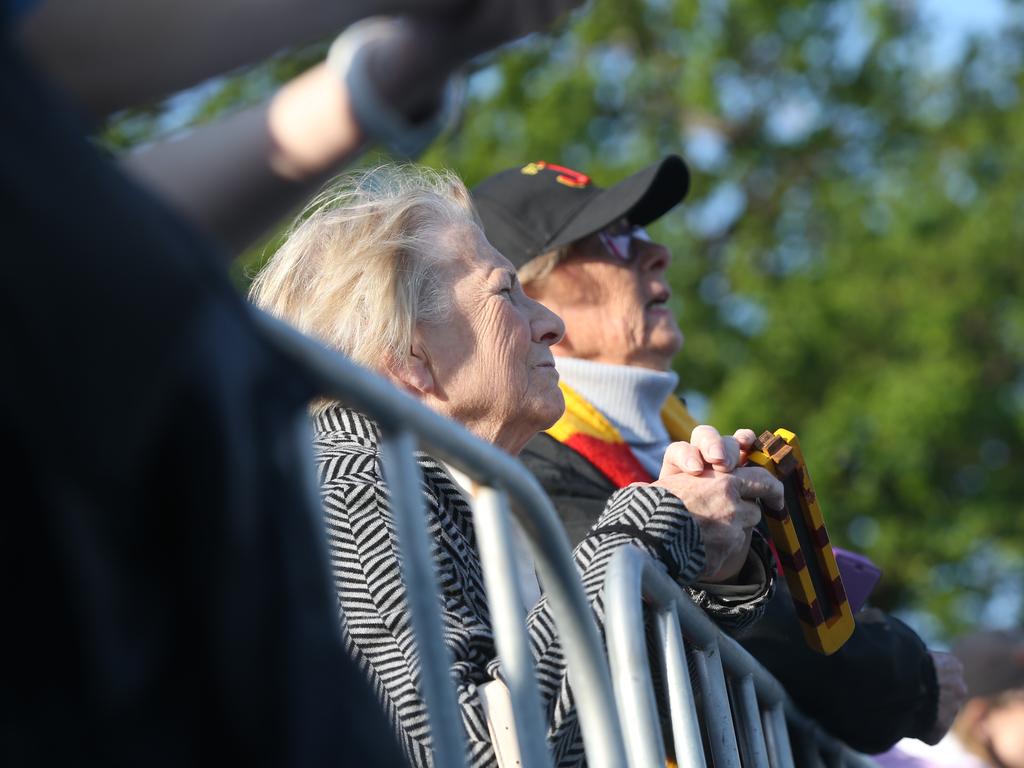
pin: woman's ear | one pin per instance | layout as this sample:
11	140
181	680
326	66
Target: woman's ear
414	373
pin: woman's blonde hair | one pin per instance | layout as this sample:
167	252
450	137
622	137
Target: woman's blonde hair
360	266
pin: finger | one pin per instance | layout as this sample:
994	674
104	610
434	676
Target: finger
682	457
746	439
709	442
758	483
732	455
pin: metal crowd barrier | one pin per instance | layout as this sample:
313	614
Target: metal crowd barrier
720	701
740	713
406	426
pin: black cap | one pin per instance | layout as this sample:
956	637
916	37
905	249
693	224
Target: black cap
541	206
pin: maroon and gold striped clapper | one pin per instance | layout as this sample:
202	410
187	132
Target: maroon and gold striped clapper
803	547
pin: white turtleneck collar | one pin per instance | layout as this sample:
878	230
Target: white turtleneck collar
630	397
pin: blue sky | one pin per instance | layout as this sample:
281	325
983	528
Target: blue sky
952	22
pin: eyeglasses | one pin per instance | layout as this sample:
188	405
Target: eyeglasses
618	237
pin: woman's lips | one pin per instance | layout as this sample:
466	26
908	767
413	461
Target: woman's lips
549	366
659	299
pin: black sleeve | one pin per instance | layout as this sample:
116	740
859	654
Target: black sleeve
878	688
577	489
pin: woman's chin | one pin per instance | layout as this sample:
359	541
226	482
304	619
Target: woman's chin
550	409
535	414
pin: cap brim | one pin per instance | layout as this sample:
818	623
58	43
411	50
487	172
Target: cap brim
642	198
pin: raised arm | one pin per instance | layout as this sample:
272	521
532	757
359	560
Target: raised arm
111	54
236	177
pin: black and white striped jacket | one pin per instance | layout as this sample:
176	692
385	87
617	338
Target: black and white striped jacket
372	600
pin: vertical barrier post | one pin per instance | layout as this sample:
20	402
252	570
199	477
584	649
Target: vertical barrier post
780	751
508	618
417	563
754	751
682	708
717	715
631	670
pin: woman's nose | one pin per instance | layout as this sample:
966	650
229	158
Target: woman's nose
547	327
653	257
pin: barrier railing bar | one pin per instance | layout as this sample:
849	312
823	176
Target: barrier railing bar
495	539
770	742
777	736
403	477
631	671
712	653
755	752
682	707
393	411
717	709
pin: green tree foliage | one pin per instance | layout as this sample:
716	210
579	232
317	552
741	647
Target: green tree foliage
848	264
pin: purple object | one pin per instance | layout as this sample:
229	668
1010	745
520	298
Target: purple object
859	576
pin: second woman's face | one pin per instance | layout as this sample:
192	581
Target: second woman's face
491	360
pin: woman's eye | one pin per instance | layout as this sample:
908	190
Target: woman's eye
506	291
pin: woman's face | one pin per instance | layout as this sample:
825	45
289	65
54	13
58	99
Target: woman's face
616	311
490	364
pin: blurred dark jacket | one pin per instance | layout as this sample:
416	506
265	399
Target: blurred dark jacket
167	597
878	688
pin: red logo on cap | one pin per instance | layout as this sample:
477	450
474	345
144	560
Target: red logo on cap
566	176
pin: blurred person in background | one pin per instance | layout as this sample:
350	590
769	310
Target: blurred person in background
989	731
392	269
167	564
582	251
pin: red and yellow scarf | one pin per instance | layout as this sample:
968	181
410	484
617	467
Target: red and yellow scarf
588	432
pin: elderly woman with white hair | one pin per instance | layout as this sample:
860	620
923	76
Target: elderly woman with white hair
392	269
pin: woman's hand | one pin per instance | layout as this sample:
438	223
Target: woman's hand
707	448
721	495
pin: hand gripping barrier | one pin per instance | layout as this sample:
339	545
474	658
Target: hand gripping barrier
405	426
720	701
